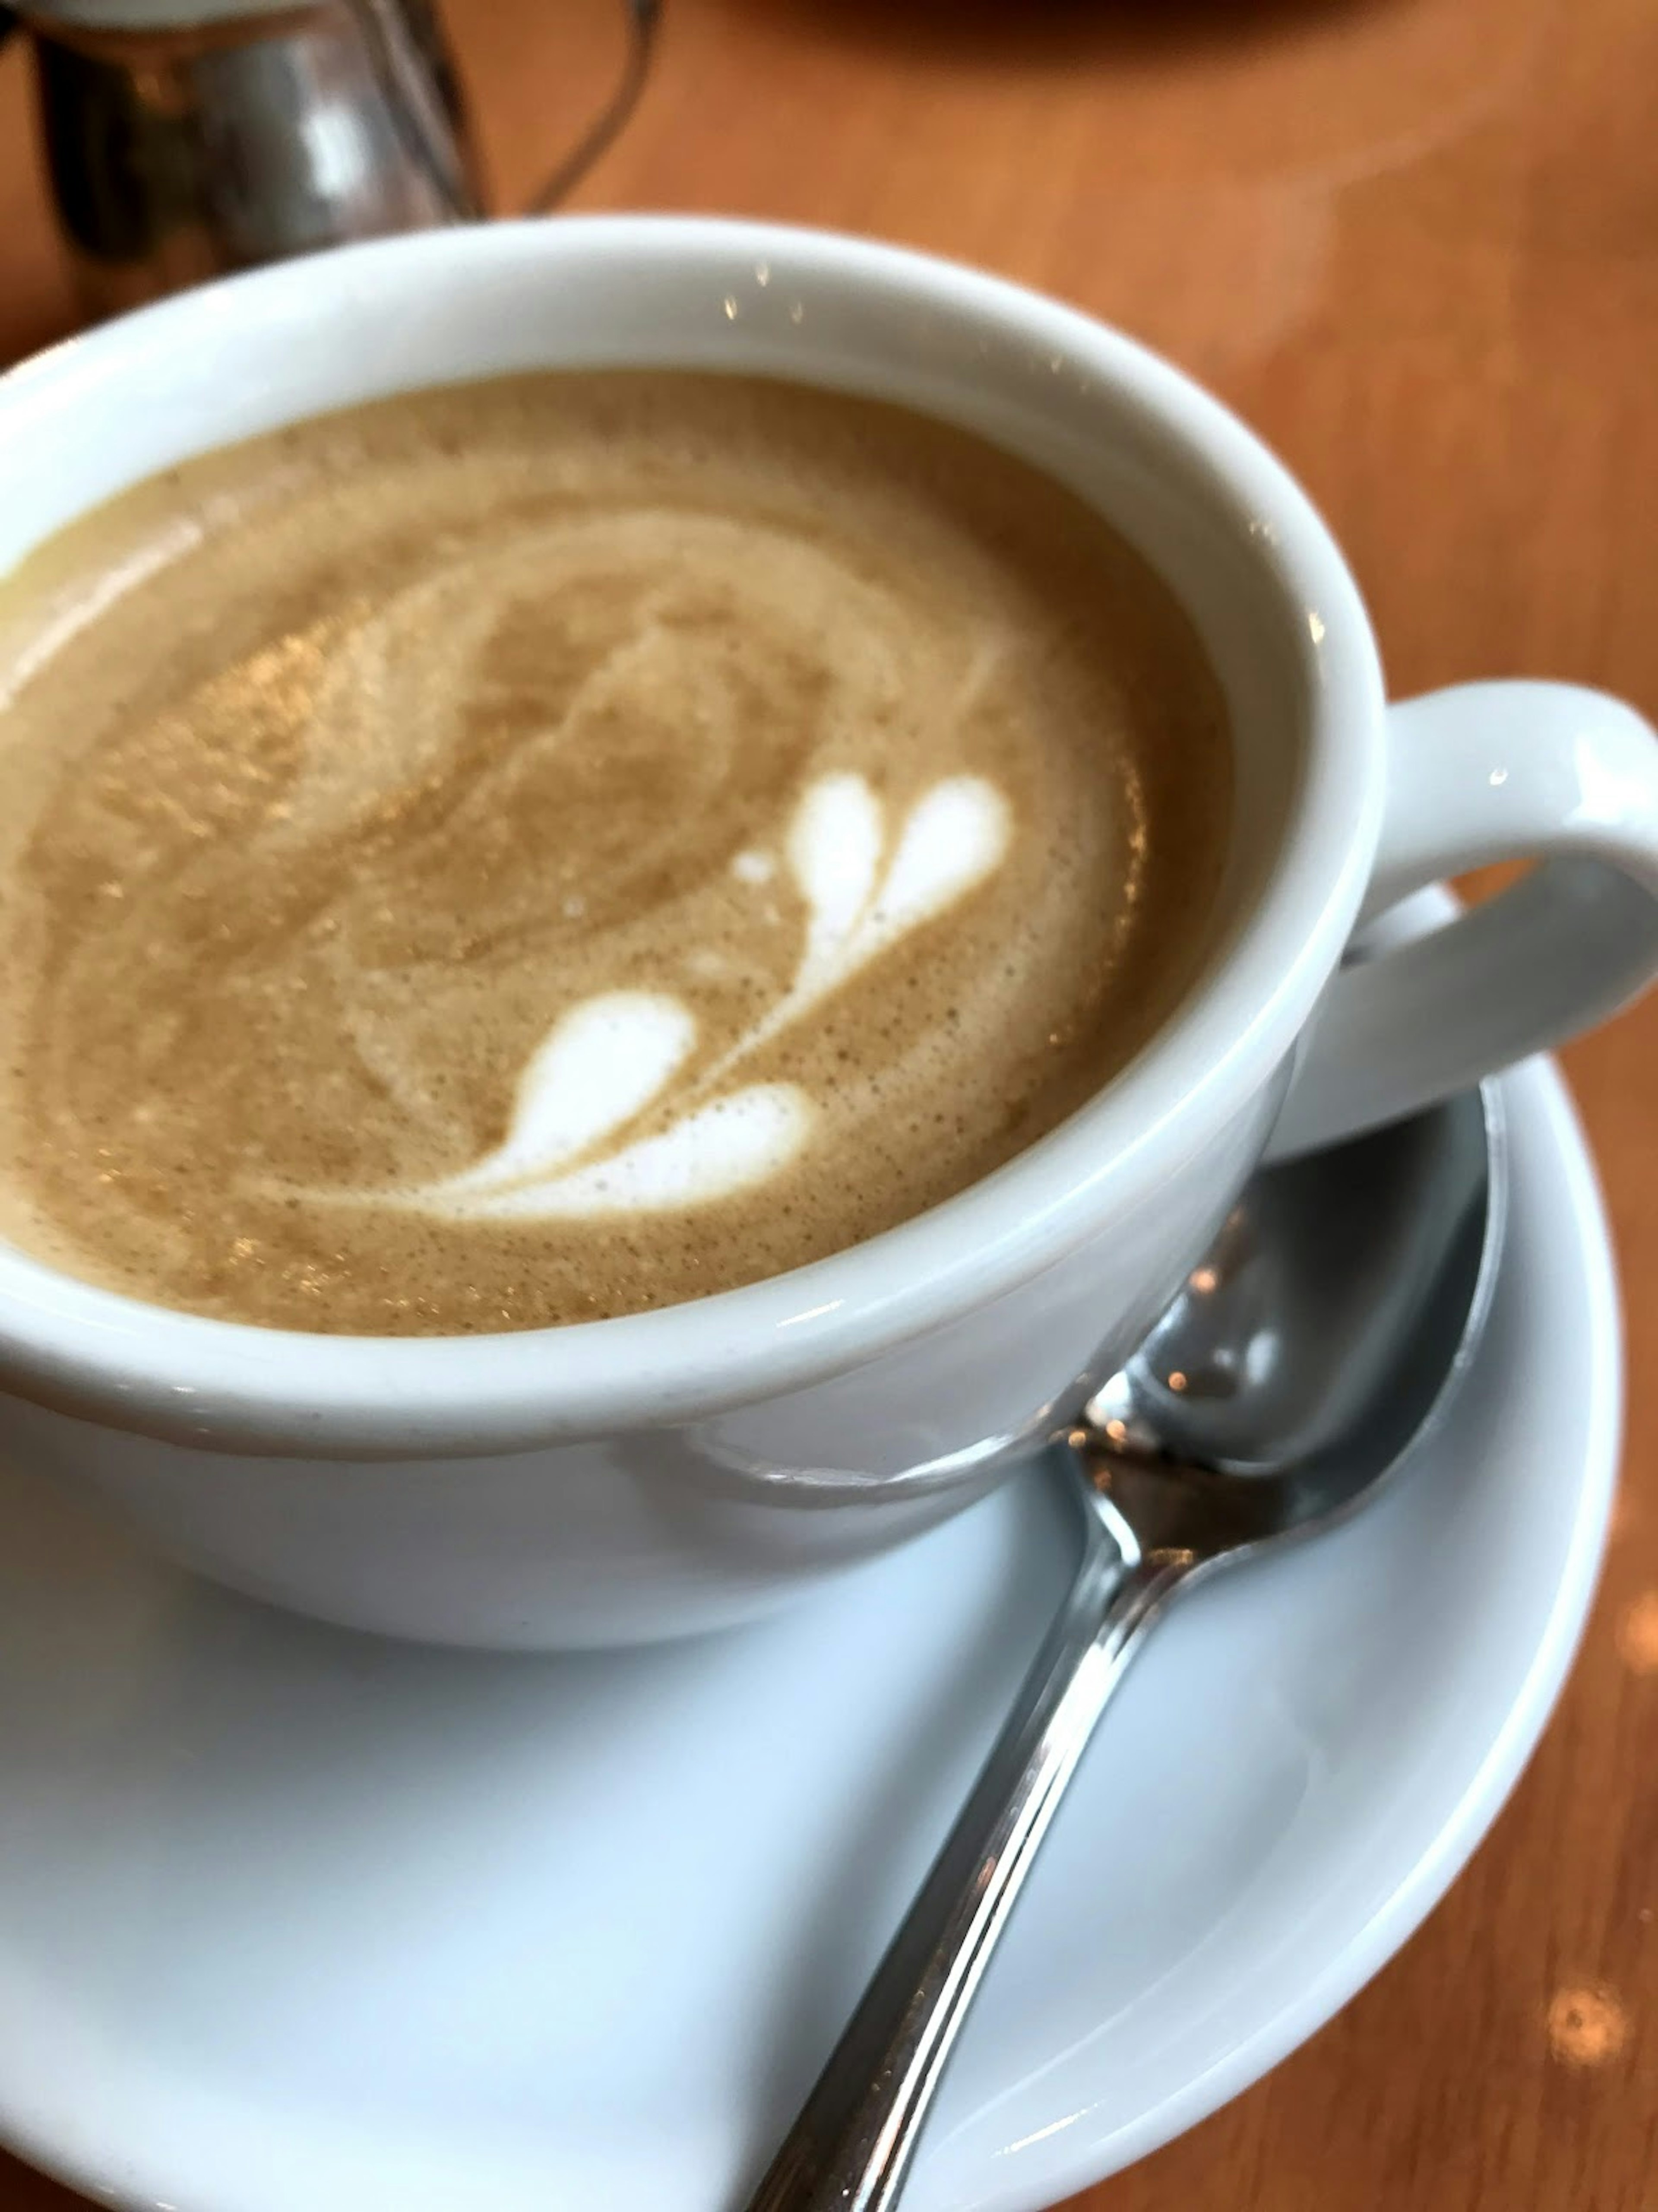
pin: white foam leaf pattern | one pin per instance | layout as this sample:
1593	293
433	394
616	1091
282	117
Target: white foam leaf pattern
600	1065
833	850
611	1057
956	834
721	1149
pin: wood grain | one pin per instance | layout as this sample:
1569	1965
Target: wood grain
1416	243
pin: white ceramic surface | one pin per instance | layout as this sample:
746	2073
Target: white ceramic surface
636	1478
291	1918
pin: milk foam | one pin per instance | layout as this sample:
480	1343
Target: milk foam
550	848
612	1056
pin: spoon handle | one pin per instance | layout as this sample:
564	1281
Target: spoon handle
850	2148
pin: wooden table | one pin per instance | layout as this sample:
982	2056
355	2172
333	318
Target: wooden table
1415	242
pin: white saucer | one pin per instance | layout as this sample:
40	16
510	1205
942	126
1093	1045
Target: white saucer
292	1920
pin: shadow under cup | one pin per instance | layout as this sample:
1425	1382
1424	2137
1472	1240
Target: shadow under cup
672	1470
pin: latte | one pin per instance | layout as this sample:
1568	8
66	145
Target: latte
538	850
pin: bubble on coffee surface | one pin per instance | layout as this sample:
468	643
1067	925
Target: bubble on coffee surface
550	848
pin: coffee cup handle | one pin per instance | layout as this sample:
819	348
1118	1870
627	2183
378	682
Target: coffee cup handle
1480	773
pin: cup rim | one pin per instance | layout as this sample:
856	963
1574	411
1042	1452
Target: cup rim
244	1386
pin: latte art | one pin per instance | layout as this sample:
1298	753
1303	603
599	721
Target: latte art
610	1058
545	850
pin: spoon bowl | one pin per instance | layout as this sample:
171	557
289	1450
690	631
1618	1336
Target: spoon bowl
1315	1348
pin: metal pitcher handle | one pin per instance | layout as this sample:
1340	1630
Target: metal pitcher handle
408	86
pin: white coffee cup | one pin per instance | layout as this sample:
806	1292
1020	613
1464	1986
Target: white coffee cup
636	1478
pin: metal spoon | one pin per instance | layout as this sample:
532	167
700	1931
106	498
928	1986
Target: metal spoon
1320	1341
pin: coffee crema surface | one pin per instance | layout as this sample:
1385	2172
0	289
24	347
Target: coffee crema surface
531	851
